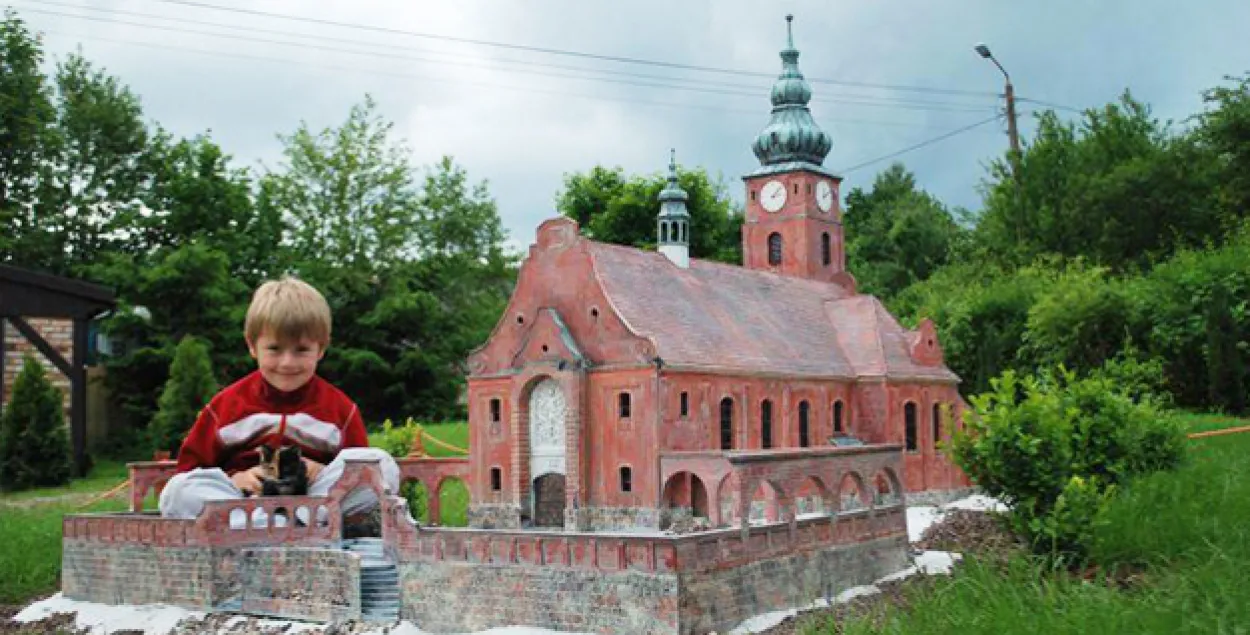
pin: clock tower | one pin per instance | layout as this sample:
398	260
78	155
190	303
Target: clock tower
793	220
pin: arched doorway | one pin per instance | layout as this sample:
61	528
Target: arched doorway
548	414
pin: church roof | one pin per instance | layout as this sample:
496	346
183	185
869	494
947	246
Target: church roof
724	317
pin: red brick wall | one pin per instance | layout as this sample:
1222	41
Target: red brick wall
800	223
59	333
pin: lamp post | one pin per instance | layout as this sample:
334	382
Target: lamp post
1010	93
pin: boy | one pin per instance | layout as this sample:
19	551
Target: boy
283	402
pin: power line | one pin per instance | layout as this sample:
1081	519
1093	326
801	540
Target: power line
922	144
562	52
685	83
1050	105
526	89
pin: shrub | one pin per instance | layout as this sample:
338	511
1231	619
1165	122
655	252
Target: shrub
190	386
396	440
1053	448
34	447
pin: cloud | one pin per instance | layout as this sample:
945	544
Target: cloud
523	131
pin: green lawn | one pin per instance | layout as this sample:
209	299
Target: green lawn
1185	532
105	475
30	532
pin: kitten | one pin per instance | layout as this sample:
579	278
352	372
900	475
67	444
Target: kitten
285	472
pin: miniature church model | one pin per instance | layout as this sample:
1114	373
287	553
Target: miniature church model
609	359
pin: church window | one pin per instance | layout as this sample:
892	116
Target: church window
909	426
937	422
627	479
826	251
804	435
753	195
726	424
774	249
685	404
796	188
623	405
766	424
496	410
837	416
496	479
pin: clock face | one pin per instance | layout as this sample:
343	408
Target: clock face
773	195
824	196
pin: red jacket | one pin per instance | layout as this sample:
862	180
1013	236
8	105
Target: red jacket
250	413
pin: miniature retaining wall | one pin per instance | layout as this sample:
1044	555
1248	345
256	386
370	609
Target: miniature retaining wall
456	580
304	584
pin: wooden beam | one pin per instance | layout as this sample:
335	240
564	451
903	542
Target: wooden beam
44	347
78	398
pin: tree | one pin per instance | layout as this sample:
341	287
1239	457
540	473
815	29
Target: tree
413	267
1118	188
349	193
896	233
1225	129
191	384
615	208
27	119
34	447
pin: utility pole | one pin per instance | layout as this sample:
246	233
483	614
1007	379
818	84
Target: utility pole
1013	135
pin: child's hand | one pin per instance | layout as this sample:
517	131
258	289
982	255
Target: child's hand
312	467
248	481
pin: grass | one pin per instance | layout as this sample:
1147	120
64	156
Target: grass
30	532
105	475
1185	532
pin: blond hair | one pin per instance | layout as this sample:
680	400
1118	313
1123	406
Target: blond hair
290	309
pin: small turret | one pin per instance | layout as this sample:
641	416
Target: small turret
674	220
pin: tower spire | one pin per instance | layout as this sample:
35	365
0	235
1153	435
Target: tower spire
791	134
673	229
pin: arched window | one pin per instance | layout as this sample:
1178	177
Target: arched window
909	426
726	424
837	416
937	423
766	424
774	249
804	437
826	252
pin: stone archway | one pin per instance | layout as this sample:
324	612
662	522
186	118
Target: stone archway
548	414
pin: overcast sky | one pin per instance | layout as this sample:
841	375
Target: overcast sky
495	111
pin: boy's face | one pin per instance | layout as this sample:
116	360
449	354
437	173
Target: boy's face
286	365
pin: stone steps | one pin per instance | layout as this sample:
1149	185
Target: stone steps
379	581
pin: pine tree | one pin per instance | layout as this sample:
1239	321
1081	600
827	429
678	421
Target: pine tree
34	446
191	384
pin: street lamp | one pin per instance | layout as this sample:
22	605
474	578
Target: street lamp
1009	93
